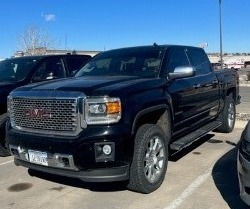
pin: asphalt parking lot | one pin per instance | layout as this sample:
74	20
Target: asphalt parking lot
203	176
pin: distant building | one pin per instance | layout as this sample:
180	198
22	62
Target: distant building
43	51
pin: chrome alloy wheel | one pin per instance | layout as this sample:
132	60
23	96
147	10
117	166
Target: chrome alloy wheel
154	159
231	114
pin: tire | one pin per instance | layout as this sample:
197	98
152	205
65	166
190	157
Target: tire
227	116
150	159
3	149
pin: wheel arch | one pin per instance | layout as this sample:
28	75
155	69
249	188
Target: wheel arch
233	92
159	114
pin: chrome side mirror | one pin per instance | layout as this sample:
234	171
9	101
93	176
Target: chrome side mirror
182	72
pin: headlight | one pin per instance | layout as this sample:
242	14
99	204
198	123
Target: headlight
245	139
102	110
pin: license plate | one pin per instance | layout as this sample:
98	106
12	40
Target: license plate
38	157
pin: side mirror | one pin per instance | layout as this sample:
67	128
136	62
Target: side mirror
182	72
50	76
39	78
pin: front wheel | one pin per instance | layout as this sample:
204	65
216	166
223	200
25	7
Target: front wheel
228	115
150	159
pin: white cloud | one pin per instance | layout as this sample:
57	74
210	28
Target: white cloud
49	17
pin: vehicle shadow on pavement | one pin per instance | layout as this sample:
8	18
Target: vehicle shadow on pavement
73	182
226	179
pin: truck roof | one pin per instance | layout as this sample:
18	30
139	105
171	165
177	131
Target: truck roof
162	46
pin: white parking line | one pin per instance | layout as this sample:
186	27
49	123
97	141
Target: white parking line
7	162
191	188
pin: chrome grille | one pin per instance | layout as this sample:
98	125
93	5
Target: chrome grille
54	115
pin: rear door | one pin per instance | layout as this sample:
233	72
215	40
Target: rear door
206	83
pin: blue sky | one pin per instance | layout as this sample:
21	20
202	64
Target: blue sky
107	24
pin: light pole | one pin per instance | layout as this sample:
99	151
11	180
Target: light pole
221	55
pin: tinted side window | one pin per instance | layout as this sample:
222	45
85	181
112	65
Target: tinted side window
75	63
178	57
199	60
50	68
16	69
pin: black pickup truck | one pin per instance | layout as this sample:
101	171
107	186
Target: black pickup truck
16	72
122	115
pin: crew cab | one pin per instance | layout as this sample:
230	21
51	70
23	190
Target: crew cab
122	115
16	72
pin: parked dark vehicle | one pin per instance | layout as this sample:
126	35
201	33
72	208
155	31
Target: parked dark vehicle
16	72
216	66
243	164
247	64
118	119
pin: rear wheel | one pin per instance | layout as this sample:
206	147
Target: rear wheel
150	159
3	149
228	115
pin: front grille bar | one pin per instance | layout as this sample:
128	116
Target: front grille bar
59	116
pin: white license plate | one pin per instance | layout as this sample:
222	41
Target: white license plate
38	157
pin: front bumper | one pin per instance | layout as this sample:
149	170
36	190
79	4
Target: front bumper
243	167
77	156
108	174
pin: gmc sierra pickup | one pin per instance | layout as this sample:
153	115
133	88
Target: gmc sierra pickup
19	71
118	119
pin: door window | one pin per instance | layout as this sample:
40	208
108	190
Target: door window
178	57
50	68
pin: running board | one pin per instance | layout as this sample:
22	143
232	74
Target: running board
194	136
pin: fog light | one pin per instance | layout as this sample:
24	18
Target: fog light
62	161
106	149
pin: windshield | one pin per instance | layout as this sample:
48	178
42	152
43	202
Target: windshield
16	69
143	62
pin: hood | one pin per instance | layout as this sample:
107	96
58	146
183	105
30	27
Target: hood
96	86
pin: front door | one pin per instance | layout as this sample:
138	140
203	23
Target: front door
192	97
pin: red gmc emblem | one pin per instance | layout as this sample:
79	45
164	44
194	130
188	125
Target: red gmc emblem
37	113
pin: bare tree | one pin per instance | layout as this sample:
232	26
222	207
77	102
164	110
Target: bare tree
34	41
